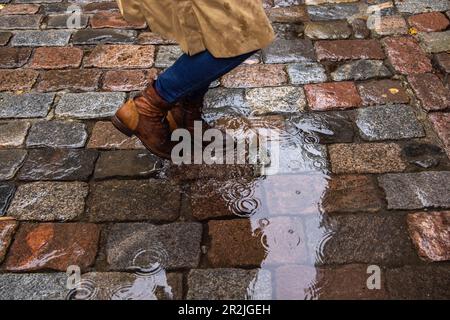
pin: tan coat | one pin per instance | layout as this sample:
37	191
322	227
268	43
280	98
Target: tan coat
226	28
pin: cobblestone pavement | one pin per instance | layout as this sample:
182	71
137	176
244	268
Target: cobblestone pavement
364	172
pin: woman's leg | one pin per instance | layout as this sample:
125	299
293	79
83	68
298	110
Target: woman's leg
146	116
190	76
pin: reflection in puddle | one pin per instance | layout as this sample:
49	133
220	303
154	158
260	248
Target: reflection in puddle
284	201
260	286
284	241
240	197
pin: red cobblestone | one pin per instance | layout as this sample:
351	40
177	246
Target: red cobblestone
94	7
18	79
406	56
351	193
430	233
53	246
431	91
20	9
382	92
234	244
104	19
429	22
441	123
333	95
106	136
56	58
121	56
338	50
127	80
73	80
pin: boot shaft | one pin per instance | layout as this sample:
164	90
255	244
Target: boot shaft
145	117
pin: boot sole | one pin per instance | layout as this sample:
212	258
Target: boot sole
126	131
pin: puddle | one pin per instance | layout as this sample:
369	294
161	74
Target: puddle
284	201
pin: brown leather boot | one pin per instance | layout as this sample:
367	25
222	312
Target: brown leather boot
185	113
145	117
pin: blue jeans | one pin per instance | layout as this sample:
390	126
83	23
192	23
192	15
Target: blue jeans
190	76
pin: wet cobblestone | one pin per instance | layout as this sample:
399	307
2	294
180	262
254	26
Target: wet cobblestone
75	243
12	134
393	122
6	194
362	112
430	234
58	164
177	243
146	200
47	201
432	186
33	286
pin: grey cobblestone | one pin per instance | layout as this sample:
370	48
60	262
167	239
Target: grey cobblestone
57	134
40	38
419	190
28	105
388	123
33	286
89	105
49	201
229	284
177	244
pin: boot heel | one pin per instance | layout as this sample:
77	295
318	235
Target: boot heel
121	127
